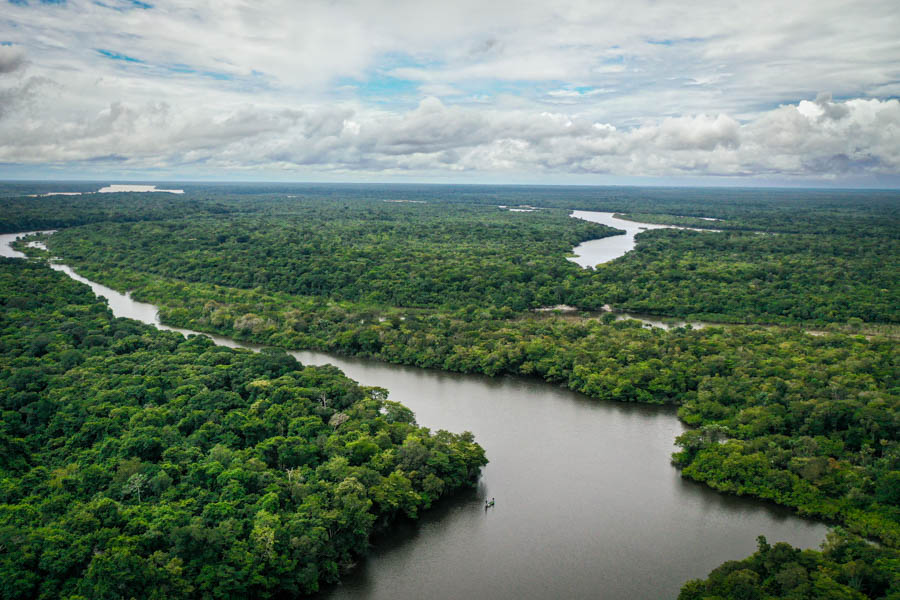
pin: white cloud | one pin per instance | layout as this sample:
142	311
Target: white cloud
792	140
642	88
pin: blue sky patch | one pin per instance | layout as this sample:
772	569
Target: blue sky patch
381	86
177	68
189	70
118	56
125	5
672	42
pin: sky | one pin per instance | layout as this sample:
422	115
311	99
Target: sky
486	91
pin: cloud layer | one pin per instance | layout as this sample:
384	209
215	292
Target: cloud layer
12	58
359	88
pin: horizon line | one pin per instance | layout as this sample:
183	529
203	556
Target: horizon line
446	184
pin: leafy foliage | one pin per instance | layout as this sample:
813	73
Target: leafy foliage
137	463
24	213
847	569
824	262
807	421
440	277
757	278
413	255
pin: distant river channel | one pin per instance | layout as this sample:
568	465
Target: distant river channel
587	503
594	252
591	253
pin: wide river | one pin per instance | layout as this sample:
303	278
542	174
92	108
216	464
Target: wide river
587	504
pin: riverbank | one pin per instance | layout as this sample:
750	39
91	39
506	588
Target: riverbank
587	357
586	496
116	433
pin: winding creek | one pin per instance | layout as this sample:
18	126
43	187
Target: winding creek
587	504
594	252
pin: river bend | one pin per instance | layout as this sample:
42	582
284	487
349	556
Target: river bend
587	503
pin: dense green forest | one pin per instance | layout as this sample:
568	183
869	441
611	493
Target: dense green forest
384	254
754	209
846	569
442	278
811	422
24	213
439	254
137	463
757	278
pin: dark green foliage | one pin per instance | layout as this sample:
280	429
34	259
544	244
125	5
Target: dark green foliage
847	569
412	255
740	276
329	274
139	464
801	258
22	213
808	422
834	258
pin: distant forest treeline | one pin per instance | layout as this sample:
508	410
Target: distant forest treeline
805	264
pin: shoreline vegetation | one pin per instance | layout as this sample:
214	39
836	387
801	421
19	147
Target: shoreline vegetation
134	459
807	421
705	372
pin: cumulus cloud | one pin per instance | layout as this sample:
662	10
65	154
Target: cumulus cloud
16	91
12	58
419	86
823	108
792	140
